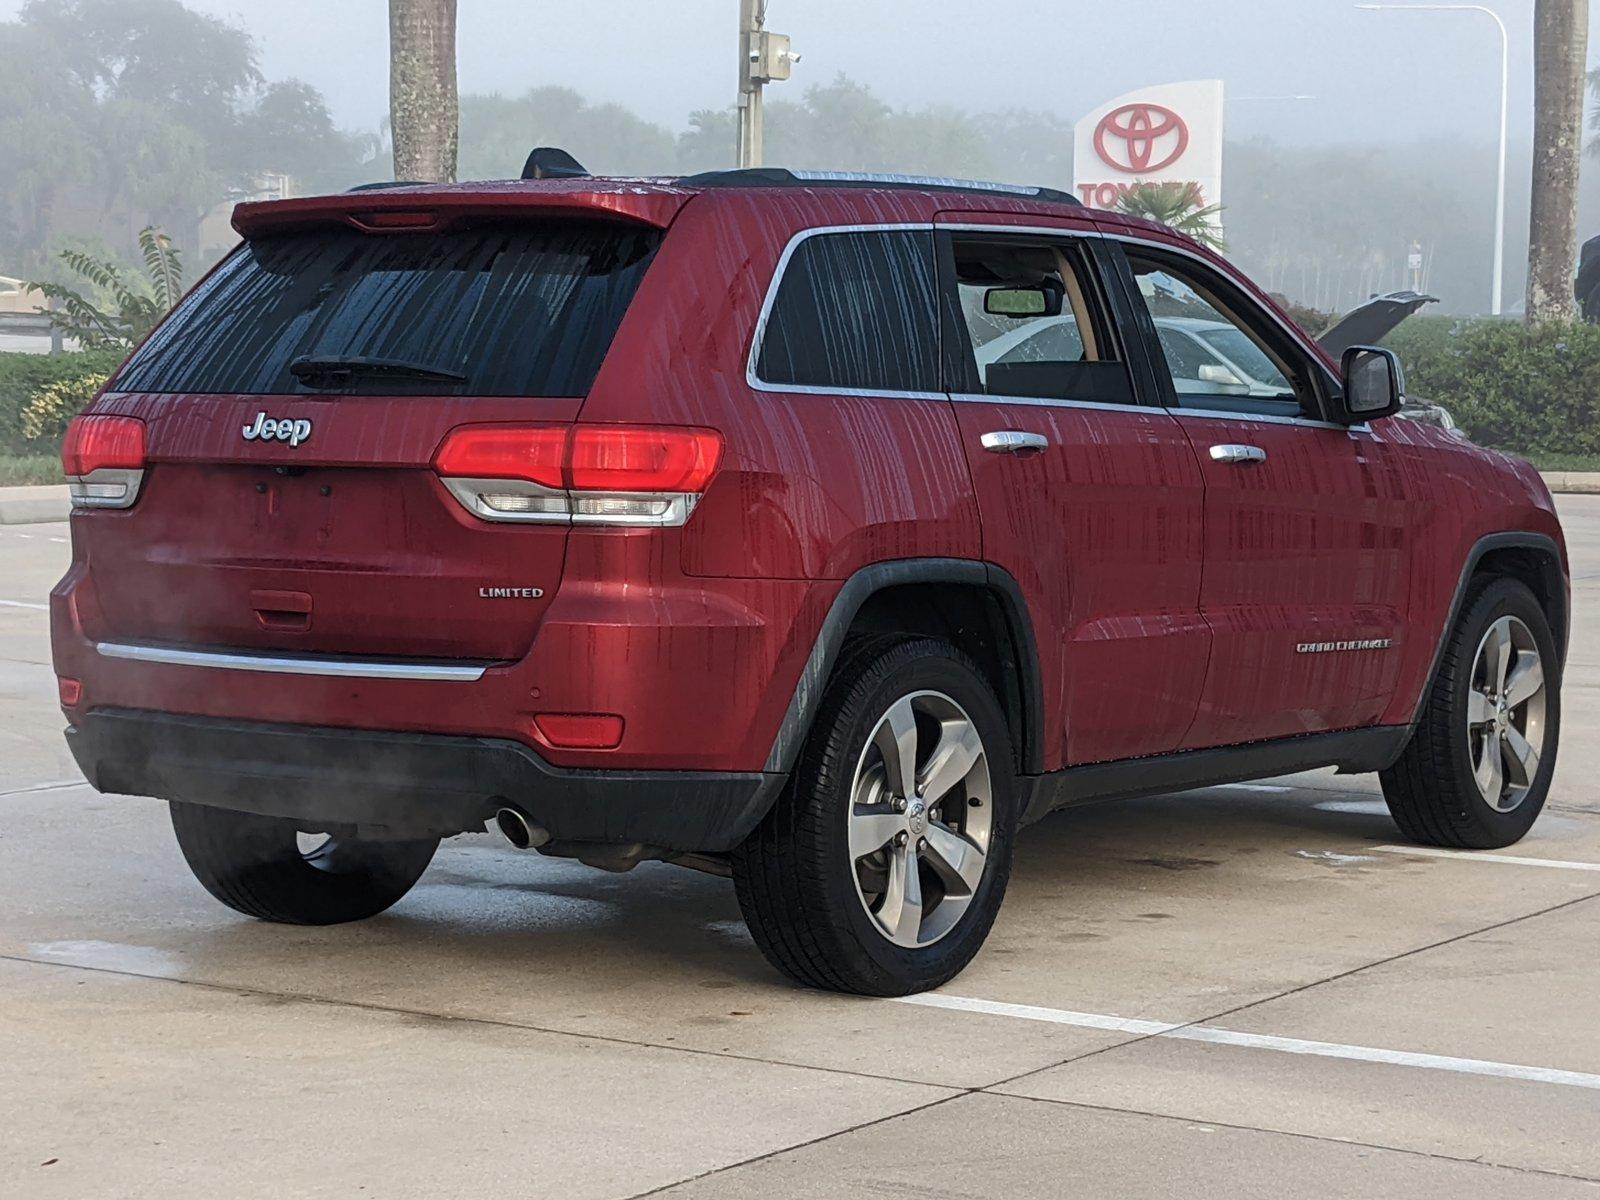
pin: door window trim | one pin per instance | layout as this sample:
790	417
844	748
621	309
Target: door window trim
1101	300
1321	380
756	383
753	378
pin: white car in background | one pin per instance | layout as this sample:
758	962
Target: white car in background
1215	357
1207	356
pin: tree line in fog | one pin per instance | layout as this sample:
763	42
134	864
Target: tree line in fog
118	114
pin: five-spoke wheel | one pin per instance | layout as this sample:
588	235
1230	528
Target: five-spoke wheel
920	817
1477	769
882	865
1505	713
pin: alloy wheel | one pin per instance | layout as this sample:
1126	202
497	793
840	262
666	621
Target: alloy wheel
921	818
1506	713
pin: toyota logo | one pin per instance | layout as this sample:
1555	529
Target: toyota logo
1138	139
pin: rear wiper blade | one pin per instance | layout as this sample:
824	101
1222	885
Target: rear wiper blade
345	367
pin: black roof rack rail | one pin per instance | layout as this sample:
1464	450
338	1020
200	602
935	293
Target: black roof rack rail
785	177
380	184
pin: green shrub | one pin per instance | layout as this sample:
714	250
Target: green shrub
49	410
1527	389
1421	340
23	375
28	469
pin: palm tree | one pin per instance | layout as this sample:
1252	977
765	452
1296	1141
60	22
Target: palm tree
424	111
1560	49
1177	206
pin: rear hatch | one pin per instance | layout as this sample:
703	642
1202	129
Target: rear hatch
294	403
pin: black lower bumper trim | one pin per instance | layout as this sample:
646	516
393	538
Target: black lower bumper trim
408	783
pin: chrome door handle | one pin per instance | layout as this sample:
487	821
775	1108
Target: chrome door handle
1238	454
1012	441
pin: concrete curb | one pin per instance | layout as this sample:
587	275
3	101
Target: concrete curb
1573	483
30	505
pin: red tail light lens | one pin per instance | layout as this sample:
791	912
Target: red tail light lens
103	458
642	458
531	452
580	474
97	443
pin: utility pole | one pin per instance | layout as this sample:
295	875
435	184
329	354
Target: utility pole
1560	48
763	58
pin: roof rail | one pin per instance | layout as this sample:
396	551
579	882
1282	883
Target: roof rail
381	184
785	177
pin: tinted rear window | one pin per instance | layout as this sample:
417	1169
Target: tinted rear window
524	311
855	311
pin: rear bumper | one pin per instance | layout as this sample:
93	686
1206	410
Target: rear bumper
396	783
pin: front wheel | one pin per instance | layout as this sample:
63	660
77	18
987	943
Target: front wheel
257	865
1477	770
882	866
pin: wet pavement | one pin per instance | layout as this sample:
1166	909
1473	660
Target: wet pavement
1237	992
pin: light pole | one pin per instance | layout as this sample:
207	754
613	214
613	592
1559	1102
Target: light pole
763	58
1505	84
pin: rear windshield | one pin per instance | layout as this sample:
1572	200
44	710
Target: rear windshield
523	311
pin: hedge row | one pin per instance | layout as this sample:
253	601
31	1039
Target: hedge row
1530	390
38	390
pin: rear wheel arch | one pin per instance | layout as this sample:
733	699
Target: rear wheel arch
975	606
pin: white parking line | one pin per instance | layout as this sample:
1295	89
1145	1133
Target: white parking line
53	786
1480	856
1257	1041
23	604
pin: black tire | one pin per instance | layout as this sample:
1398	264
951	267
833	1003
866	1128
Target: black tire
1431	790
254	865
795	875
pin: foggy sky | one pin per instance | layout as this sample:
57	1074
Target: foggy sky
1374	76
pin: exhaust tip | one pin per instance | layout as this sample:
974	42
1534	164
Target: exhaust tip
519	831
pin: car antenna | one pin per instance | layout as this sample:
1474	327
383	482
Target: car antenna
552	162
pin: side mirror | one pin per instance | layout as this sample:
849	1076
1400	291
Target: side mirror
1022	302
1374	385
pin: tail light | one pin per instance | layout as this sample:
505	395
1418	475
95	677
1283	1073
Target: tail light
104	458
579	474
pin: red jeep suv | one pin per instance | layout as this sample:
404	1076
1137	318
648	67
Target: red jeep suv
816	530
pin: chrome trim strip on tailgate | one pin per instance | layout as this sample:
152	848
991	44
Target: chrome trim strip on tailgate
295	664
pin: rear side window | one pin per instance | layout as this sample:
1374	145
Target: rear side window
494	311
855	311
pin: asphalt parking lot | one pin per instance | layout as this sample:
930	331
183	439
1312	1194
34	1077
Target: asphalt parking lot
1238	992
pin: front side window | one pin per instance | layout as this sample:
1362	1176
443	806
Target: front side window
1216	357
855	312
1031	323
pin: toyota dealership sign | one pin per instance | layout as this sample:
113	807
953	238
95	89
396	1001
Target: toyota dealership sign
1166	134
